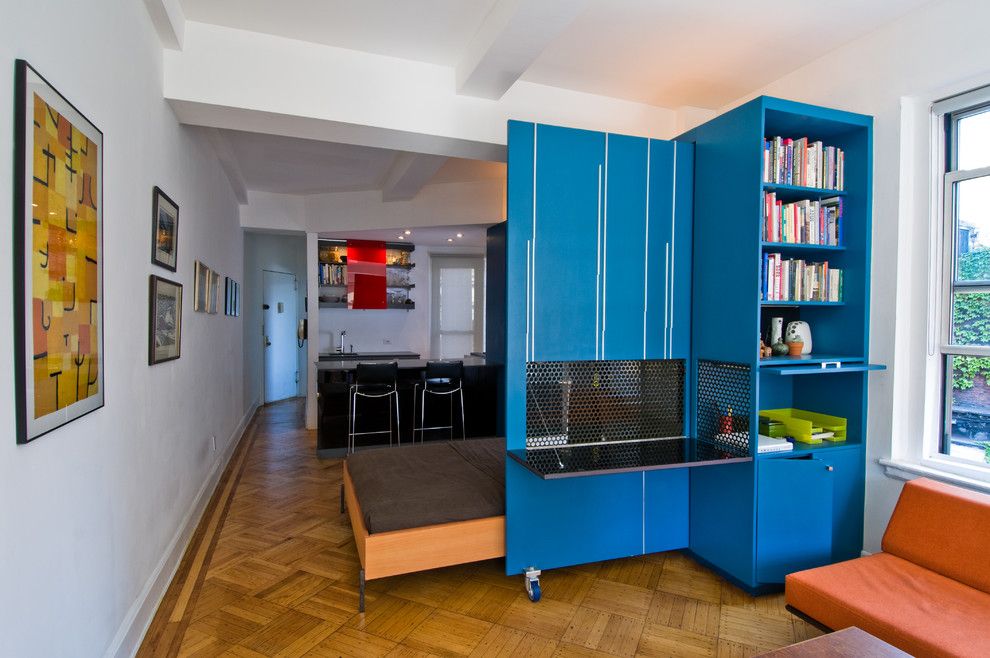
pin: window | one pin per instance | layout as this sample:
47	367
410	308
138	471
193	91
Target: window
458	304
964	322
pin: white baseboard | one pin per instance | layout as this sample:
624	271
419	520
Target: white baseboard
131	632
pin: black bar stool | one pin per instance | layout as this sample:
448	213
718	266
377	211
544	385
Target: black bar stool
374	380
441	378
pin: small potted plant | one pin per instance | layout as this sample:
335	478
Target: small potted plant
794	347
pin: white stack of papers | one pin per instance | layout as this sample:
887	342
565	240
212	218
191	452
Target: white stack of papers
769	444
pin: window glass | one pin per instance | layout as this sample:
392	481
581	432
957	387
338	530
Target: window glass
973	143
967	431
972	211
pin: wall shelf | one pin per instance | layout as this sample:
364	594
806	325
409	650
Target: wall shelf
799	303
799	246
798	192
806	359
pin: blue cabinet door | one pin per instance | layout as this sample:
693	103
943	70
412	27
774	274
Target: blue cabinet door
565	300
558	523
668	247
794	517
625	248
847	502
665	510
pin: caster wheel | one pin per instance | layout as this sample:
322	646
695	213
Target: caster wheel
533	590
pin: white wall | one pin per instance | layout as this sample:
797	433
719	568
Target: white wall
935	51
276	253
91	510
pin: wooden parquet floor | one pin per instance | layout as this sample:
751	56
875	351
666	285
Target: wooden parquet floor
277	576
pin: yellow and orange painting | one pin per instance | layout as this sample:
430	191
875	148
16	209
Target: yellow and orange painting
65	285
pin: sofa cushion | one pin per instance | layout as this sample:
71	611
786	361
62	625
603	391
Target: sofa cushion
943	528
916	610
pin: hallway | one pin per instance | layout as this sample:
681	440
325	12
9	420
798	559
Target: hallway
273	569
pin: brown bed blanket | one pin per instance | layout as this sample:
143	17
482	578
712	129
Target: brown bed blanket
418	485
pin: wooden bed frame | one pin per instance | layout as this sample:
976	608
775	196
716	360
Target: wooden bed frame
396	552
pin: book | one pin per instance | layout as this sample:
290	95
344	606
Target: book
801	162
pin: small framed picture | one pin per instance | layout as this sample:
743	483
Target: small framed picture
164	320
213	296
201	287
164	230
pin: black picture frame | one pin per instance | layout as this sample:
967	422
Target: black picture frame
161	233
154	316
29	423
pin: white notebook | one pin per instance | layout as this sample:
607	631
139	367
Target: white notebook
769	444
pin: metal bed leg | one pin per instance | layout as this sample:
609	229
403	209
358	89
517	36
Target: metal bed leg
341	497
361	591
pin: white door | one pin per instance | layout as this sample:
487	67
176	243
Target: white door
280	318
458	306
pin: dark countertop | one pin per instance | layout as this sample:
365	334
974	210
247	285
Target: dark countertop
598	458
369	356
344	365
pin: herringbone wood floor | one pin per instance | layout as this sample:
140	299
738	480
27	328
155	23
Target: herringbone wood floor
279	578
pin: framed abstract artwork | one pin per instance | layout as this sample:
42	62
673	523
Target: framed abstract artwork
201	287
164	320
58	258
164	230
228	298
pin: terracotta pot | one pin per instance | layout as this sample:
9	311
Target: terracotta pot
794	349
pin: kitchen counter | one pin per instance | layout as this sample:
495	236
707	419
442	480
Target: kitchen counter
367	356
345	365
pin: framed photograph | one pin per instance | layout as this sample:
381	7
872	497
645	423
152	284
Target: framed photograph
164	230
213	296
58	258
201	287
164	320
237	299
228	298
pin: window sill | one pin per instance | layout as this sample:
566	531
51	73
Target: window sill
904	470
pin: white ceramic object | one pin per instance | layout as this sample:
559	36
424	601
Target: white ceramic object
776	331
799	330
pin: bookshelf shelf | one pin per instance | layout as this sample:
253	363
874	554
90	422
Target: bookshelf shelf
798	192
797	303
802	449
808	359
799	246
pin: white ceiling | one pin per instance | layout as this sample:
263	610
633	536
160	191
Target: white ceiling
288	165
472	235
433	31
704	53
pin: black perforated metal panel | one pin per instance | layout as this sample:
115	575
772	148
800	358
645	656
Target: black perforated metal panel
723	407
570	402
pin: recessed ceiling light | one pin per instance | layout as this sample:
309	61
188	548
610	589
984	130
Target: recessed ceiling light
34	205
450	239
51	212
460	235
408	232
402	237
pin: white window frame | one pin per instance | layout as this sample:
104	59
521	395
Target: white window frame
942	247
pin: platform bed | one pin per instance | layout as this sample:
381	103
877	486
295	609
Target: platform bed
403	486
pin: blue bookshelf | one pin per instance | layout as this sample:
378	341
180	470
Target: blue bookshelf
782	512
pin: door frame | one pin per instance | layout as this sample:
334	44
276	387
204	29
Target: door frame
474	260
264	358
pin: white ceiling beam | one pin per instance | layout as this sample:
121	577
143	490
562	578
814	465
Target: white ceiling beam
512	36
408	174
228	161
169	21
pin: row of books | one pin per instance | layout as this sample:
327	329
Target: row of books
809	221
789	161
333	274
793	280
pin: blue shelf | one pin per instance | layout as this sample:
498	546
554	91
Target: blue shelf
805	448
799	192
799	246
794	303
807	359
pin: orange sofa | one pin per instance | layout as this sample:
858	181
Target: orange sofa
928	592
